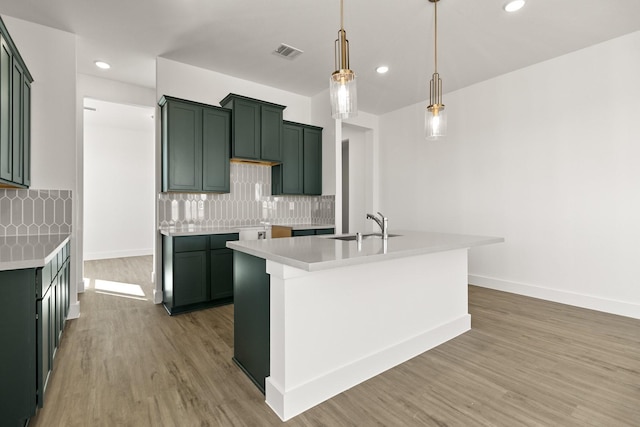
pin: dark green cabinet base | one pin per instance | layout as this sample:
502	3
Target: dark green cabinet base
251	317
36	304
197	272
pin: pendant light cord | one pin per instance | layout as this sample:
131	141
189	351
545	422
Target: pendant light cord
435	5
342	14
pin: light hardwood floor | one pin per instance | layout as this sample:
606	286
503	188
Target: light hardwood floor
526	362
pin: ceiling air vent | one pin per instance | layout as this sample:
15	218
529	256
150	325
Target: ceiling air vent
286	51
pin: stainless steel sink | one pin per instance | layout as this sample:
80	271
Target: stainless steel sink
364	236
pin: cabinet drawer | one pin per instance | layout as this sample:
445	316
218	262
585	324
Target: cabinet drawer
190	243
218	241
297	233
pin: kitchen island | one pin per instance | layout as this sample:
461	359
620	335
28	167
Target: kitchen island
328	314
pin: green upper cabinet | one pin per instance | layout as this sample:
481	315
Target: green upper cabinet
15	115
195	146
257	128
312	161
301	169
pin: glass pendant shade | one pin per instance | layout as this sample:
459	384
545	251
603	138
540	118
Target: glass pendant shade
435	121
343	93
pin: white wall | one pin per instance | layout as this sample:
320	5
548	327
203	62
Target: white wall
546	157
50	56
119	171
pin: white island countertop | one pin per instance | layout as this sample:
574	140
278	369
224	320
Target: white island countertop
18	252
315	253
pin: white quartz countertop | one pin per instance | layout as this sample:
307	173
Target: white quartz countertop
314	253
18	252
200	230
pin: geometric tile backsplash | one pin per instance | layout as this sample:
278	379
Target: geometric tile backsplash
35	212
249	203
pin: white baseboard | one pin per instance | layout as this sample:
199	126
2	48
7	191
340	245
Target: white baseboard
157	296
591	302
74	311
290	403
92	256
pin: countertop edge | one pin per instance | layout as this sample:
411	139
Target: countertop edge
337	263
36	262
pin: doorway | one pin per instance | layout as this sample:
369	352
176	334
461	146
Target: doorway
357	182
118	179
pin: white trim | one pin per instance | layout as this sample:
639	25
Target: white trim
117	254
294	402
591	302
157	296
74	310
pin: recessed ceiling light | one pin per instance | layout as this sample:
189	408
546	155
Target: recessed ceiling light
102	65
514	5
382	69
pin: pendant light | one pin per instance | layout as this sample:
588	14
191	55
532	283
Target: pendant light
435	120
342	83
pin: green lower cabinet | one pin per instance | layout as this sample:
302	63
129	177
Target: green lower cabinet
18	349
221	283
190	271
46	311
197	272
31	324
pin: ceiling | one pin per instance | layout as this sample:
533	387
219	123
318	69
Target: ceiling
477	39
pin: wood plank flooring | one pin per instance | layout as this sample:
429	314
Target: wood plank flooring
526	362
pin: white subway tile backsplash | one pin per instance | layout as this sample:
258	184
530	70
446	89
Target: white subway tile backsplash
249	203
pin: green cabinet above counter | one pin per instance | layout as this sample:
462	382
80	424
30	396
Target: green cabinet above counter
301	169
257	128
15	115
195	146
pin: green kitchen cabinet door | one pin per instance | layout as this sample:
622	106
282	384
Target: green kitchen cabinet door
26	132
17	125
312	161
216	149
298	233
271	133
246	129
182	147
190	272
221	262
6	135
18	349
45	332
292	158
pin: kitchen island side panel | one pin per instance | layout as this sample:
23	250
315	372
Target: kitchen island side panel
332	329
251	317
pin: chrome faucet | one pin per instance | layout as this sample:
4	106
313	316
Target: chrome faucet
383	223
